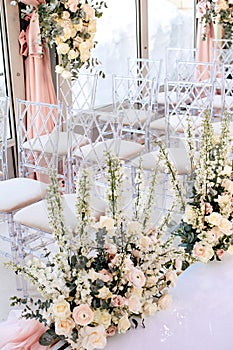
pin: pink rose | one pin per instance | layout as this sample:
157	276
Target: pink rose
220	252
136	277
83	315
118	301
111	331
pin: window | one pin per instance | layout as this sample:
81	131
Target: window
171	24
116	36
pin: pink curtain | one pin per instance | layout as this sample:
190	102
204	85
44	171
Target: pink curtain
20	334
39	85
204	46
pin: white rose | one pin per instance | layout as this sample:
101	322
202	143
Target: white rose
144	242
63	49
106	222
64	327
171	276
104	293
61	309
149	308
225	226
134	304
214	218
59	69
102	317
93	337
165	301
227	170
123	324
72	54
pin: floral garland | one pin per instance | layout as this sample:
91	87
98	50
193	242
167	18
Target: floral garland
216	11
207	231
70	25
108	275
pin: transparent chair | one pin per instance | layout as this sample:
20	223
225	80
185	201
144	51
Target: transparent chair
196	71
38	138
79	94
135	103
17	193
92	134
172	56
4	111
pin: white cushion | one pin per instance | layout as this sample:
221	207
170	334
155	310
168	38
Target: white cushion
178	123
148	160
124	149
162	97
43	143
18	192
36	215
180	158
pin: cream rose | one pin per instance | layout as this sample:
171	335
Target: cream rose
164	302
171	276
149	308
228	185
84	50
64	326
225	226
63	49
105	275
144	243
61	309
134	304
92	26
93	337
106	222
89	11
104	293
136	277
83	315
73	54
123	324
102	317
214	218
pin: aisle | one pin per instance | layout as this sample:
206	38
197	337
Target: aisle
200	318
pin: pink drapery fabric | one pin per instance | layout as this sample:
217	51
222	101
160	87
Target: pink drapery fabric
39	85
20	334
204	46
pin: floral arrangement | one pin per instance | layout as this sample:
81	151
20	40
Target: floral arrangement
111	273
217	11
70	25
206	230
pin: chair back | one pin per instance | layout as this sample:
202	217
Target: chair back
38	136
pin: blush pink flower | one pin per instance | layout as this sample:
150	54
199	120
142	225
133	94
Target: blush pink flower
105	275
136	277
83	315
118	301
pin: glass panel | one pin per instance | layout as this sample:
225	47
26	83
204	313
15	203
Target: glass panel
171	24
116	37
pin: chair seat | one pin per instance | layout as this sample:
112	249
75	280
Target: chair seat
17	193
47	145
179	157
36	215
130	116
124	149
177	123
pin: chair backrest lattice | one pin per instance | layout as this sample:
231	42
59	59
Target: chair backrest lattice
222	51
196	71
4	112
186	100
38	136
134	100
174	55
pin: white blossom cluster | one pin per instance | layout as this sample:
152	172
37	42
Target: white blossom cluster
92	291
